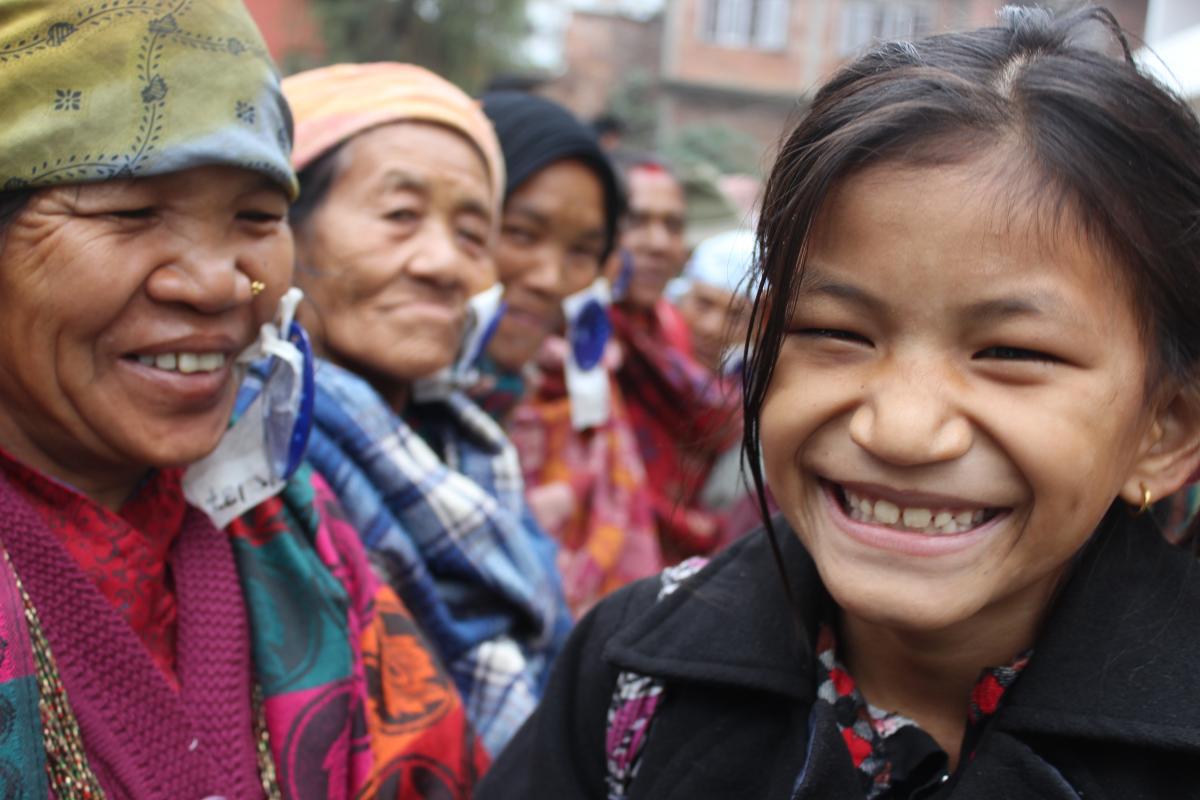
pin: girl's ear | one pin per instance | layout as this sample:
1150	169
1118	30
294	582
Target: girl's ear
1170	451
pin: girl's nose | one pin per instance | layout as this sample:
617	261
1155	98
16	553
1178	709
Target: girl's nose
908	418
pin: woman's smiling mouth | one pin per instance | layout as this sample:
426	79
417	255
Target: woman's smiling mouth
186	373
184	362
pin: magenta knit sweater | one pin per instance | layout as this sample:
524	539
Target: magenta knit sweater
143	739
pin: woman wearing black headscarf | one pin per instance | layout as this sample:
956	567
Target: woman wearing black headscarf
585	477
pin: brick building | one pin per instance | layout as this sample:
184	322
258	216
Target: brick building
749	65
603	49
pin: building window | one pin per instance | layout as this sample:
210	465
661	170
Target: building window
868	21
761	24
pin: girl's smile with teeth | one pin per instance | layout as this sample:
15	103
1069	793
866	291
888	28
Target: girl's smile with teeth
933	520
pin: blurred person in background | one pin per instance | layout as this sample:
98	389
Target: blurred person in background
401	180
610	131
713	297
586	484
685	418
144	252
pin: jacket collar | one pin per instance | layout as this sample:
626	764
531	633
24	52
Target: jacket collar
730	624
1116	660
1118	656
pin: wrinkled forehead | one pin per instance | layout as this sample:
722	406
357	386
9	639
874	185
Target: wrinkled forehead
217	183
415	154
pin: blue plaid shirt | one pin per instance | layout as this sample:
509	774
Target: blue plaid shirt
449	529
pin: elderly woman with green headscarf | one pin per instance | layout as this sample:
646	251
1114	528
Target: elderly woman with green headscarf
144	256
402	179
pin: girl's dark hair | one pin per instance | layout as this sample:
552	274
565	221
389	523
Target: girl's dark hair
1092	141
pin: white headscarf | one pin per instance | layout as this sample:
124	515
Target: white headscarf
724	261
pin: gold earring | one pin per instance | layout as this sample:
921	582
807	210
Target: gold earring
1147	499
257	288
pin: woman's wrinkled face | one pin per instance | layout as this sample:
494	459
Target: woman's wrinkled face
957	402
391	256
552	238
122	308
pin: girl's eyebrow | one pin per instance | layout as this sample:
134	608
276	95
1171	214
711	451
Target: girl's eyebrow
1045	304
1034	304
1038	303
846	292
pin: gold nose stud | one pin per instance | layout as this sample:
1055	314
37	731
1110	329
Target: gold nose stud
257	288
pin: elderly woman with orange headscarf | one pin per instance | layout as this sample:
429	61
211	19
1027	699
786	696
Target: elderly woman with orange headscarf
144	252
402	179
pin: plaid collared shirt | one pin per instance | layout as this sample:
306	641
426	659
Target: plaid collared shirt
449	529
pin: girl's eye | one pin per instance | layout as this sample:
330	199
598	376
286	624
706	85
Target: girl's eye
1003	353
835	334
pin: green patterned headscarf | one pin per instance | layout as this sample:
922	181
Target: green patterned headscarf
93	90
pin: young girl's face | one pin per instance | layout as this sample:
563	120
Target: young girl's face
957	402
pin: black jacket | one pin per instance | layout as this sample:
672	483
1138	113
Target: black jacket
1108	708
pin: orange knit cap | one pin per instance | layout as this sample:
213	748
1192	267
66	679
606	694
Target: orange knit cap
334	104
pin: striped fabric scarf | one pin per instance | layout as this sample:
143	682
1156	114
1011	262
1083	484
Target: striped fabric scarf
338	655
684	418
608	536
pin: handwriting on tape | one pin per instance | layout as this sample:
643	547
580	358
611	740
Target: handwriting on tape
236	476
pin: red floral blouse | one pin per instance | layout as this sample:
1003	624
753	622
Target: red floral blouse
124	553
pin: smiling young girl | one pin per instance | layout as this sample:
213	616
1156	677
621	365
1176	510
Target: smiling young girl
976	352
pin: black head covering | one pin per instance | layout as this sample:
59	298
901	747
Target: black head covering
535	132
